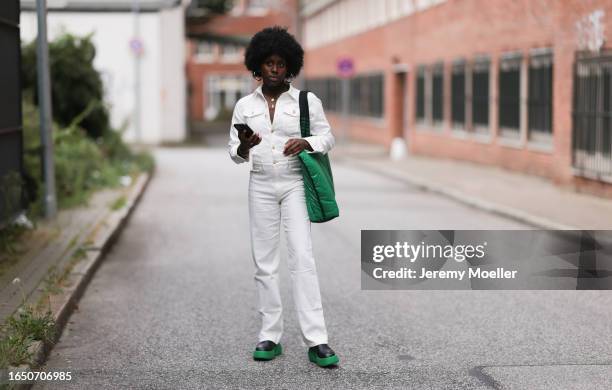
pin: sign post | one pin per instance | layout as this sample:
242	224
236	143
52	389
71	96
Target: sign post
345	70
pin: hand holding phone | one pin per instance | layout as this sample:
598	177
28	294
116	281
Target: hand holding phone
247	138
243	128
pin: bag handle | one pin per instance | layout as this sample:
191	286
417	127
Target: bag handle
304	114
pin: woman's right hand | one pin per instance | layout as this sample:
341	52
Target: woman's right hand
246	143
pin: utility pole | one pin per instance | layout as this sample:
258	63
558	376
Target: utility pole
44	106
137	49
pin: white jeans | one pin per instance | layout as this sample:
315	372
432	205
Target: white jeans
276	194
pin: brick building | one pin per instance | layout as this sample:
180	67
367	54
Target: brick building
521	85
215	65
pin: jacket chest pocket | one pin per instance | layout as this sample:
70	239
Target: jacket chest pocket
291	121
255	119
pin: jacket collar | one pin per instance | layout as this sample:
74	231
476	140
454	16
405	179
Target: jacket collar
292	91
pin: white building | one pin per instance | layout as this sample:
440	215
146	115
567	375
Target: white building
144	91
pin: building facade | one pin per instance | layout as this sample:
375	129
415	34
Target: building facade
521	85
140	53
215	49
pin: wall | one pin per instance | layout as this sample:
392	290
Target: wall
464	29
161	67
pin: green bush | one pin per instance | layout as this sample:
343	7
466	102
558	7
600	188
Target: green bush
88	153
82	165
75	83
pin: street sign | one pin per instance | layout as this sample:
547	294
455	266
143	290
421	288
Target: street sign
136	46
345	67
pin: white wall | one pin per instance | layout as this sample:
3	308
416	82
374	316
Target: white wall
162	81
340	19
174	83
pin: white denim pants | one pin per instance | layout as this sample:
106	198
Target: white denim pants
276	196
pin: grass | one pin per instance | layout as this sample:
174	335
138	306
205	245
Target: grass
13	244
118	203
31	324
9	238
52	282
14	351
21	330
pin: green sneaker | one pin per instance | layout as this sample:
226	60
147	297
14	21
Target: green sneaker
267	350
322	355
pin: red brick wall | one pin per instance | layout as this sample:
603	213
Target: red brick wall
464	29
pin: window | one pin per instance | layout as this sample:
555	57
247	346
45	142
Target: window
592	132
222	94
258	7
355	96
420	94
437	93
458	94
539	101
430	94
328	90
375	95
480	94
204	51
334	95
230	53
367	95
510	94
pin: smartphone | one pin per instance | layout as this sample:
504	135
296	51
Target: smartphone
244	127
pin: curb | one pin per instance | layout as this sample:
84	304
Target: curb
64	303
473	201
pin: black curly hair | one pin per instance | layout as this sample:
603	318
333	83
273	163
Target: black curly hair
274	40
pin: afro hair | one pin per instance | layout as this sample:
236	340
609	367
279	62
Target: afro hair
274	40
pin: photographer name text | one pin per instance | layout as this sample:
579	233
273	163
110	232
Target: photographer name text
423	273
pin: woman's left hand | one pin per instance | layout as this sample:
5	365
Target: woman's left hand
295	145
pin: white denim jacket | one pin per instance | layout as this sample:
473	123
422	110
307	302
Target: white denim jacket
253	110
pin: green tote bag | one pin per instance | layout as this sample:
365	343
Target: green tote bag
318	179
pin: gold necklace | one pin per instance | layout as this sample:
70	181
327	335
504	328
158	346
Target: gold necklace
272	99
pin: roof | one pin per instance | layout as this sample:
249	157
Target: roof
102	5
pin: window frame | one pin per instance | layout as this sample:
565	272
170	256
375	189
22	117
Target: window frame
202	57
480	65
421	95
437	71
459	67
538	59
510	65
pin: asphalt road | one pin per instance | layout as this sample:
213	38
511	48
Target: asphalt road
174	304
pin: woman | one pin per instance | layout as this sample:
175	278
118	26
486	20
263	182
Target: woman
276	189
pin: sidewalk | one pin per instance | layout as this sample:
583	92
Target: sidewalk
526	198
72	239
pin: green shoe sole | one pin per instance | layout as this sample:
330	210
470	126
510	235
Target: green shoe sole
268	355
322	362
